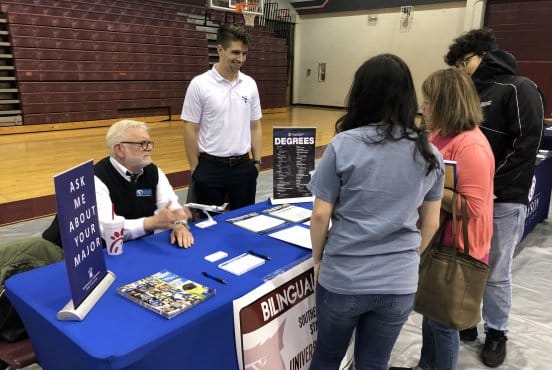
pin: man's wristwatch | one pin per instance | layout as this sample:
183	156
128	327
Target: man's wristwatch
257	162
182	222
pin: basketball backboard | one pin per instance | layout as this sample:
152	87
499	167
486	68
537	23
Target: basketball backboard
230	5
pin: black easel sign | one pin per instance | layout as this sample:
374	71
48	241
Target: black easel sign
293	161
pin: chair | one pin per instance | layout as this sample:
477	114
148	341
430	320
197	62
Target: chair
17	354
15	257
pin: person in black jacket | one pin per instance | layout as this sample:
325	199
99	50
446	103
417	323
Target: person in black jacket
513	123
130	185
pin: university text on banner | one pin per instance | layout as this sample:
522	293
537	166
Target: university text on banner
275	324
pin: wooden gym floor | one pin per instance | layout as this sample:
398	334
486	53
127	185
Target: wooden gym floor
30	160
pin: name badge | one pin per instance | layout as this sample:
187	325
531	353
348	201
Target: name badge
144	192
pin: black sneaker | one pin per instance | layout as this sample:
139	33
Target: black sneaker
468	335
494	349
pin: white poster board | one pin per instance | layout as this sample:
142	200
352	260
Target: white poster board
275	324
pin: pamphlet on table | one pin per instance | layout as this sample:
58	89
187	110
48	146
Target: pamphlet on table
166	293
241	264
256	222
296	235
289	212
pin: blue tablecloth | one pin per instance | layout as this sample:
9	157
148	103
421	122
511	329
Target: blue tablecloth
539	204
119	334
546	140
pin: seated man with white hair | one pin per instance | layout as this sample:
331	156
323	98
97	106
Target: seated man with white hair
129	184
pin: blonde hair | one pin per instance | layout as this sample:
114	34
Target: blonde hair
116	132
455	105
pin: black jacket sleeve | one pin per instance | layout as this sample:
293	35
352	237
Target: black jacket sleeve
525	121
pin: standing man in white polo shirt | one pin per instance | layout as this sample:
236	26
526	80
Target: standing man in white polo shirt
222	114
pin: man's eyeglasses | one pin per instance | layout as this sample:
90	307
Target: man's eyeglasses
144	145
464	62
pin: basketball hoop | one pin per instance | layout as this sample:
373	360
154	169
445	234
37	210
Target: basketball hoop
249	12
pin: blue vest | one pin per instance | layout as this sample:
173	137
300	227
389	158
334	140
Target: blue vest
131	200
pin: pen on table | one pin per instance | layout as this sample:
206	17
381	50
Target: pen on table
259	255
220	280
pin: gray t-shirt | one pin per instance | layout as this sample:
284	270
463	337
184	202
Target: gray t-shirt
376	190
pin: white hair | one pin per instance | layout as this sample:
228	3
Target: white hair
116	132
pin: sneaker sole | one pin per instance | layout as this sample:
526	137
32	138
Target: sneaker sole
491	364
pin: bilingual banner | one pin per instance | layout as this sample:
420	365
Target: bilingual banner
293	161
275	324
80	234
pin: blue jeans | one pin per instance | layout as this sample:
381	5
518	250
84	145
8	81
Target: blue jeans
508	224
378	319
440	346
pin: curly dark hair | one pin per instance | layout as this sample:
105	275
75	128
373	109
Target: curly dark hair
478	41
229	32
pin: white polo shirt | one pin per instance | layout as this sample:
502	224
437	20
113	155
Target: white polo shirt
224	111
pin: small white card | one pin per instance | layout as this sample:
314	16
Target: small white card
241	264
213	257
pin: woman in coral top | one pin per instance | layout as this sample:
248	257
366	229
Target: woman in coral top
452	113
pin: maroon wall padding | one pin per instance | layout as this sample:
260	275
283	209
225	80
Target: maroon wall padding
86	60
523	27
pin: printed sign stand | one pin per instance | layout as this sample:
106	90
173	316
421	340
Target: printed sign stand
293	158
80	236
70	313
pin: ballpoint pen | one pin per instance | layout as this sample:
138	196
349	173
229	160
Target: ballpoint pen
259	255
220	280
